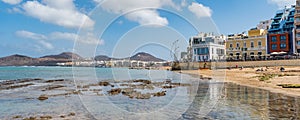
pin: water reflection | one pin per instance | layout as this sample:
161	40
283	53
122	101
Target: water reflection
241	102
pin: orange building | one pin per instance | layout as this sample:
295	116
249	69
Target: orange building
279	42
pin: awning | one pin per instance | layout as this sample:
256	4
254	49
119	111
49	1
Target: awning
274	53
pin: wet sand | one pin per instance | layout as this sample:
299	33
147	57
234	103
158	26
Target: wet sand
252	78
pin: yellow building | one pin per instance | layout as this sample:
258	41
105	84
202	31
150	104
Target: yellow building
247	47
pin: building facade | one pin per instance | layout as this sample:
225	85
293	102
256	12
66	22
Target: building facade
207	47
281	33
247	47
265	25
297	26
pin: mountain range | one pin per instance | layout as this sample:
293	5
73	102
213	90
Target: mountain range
51	60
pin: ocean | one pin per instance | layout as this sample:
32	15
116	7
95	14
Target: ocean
200	99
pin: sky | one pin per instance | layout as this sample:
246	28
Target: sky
121	28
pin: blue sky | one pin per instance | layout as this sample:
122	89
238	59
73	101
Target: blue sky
122	28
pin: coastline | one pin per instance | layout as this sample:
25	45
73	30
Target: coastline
250	77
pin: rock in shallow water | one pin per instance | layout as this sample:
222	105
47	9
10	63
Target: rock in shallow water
114	91
43	97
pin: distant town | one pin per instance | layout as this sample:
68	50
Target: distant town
276	38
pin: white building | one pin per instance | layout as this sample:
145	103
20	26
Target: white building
207	47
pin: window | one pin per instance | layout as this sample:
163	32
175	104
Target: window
212	50
195	51
298	43
202	51
245	44
220	51
252	55
259	53
282	46
274	39
283	38
252	44
274	46
259	43
237	45
230	45
298	35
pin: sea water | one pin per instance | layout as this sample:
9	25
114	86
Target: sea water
202	100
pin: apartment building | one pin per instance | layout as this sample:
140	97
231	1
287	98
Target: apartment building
247	47
207	47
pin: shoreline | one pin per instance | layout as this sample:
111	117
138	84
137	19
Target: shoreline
250	77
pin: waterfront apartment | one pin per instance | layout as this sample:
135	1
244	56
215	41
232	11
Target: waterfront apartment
247	47
207	47
297	26
281	33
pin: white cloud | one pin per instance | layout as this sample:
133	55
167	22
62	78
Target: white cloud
138	12
41	39
12	2
89	38
147	17
200	10
30	35
282	3
46	44
183	3
59	12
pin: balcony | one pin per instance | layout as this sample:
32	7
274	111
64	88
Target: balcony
277	17
289	22
275	23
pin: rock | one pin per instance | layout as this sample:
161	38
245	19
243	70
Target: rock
30	118
62	116
43	97
127	91
149	86
104	83
143	81
158	94
18	116
72	114
143	96
58	80
76	92
180	84
168	81
53	87
46	117
114	91
168	87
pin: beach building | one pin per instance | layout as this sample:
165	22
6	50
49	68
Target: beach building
281	33
265	25
207	47
247	47
297	26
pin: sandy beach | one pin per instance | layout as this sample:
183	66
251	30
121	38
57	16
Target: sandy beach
251	77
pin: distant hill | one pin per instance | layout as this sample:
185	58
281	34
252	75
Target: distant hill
102	58
64	55
17	60
142	56
51	60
